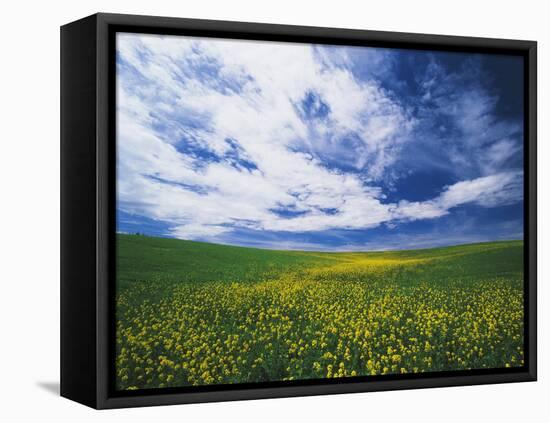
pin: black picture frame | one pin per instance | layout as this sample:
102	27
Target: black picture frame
88	211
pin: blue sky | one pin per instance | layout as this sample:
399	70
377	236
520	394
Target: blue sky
332	148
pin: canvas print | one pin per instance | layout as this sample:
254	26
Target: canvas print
289	212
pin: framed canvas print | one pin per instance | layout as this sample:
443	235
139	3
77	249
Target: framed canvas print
255	211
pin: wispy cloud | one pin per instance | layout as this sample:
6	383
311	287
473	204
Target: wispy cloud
488	191
459	123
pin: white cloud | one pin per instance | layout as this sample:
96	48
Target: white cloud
488	191
198	231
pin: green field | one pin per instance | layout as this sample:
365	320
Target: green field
191	313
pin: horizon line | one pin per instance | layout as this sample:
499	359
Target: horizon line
322	251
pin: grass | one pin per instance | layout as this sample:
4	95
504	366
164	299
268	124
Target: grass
191	313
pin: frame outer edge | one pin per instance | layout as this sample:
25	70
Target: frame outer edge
532	265
103	126
301	30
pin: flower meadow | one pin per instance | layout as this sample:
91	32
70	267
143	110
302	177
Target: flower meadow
191	313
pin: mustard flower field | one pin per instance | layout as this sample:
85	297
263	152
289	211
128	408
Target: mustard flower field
190	313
